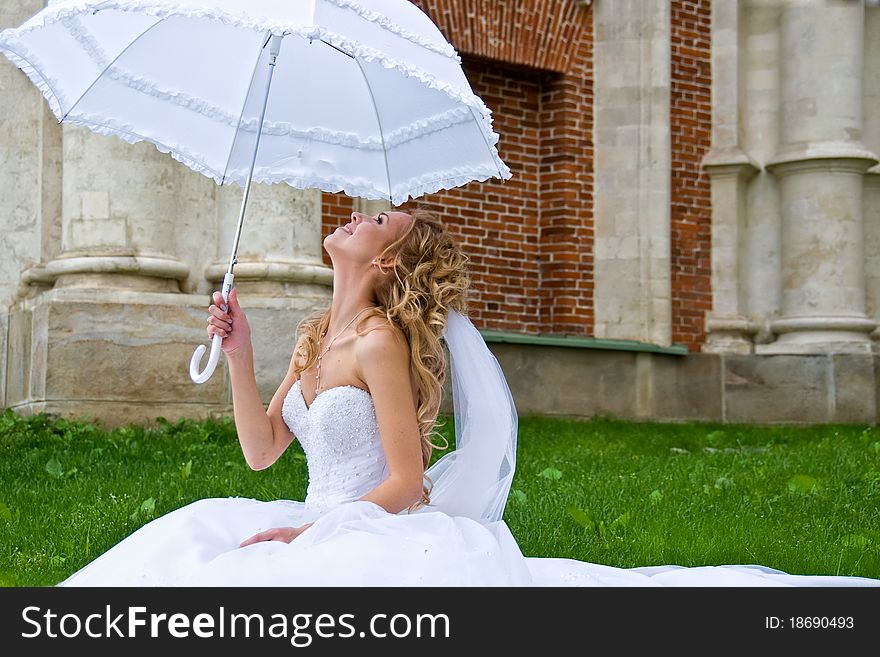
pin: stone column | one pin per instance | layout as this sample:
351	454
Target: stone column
730	169
279	272
821	167
30	145
107	332
279	251
118	216
760	267
632	282
871	108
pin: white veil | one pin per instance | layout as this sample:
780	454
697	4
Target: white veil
474	479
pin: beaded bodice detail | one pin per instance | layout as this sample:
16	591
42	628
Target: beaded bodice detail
339	434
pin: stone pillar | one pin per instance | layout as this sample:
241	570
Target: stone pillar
279	252
632	282
279	272
821	167
119	215
871	109
107	324
760	267
730	169
30	197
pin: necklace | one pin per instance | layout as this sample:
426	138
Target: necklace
322	353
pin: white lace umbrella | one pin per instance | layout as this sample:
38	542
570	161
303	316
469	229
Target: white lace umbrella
364	97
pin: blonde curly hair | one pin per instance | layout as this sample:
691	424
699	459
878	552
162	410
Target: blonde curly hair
428	277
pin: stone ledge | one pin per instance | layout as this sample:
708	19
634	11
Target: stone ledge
729	162
825	156
110	414
129	264
77	351
583	342
293	272
724	388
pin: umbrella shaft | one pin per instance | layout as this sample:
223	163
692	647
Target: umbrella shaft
274	49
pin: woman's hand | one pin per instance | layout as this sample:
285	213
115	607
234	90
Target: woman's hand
285	534
232	325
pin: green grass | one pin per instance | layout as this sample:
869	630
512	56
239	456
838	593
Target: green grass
801	499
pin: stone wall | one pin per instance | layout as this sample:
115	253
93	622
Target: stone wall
581	383
110	254
762	253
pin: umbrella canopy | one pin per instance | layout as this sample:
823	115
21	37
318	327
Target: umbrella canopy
364	97
367	98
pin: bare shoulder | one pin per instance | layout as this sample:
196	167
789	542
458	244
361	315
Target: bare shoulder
382	346
375	327
382	359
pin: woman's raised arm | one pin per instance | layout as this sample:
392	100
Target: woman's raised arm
252	423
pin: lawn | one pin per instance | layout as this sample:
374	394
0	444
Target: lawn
801	499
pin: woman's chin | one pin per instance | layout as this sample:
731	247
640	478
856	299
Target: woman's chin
338	233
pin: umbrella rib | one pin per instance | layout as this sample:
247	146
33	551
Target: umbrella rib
38	72
247	95
107	68
376	111
381	134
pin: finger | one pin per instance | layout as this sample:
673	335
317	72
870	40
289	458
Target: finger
226	324
274	534
256	538
219	313
219	323
212	330
218	300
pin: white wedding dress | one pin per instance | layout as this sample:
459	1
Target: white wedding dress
358	543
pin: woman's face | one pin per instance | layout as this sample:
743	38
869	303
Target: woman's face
365	236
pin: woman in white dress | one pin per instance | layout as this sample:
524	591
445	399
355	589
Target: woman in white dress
361	395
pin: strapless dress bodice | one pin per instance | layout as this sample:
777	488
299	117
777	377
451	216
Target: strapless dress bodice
339	434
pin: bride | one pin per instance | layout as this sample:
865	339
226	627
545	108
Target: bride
361	395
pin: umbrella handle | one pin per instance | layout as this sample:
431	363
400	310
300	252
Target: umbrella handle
195	361
201	377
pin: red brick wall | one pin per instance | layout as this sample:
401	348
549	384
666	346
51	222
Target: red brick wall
690	118
566	200
335	209
532	33
530	239
497	223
